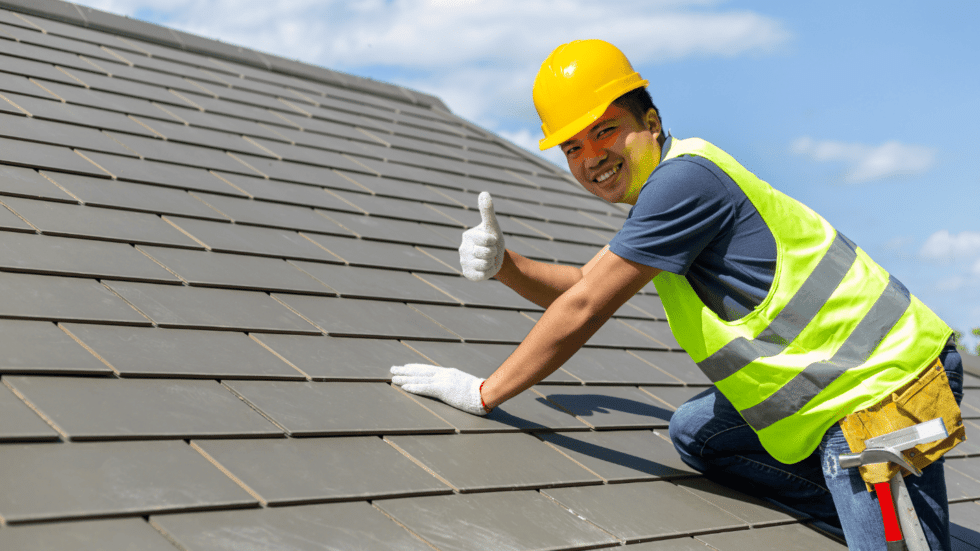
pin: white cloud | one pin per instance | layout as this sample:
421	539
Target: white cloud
947	247
479	56
869	162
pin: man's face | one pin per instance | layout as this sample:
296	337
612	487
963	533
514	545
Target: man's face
613	157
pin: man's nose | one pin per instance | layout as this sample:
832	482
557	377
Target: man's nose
593	154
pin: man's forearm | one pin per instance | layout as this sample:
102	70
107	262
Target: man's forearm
539	282
565	326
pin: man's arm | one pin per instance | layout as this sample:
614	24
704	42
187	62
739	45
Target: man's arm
571	319
541	282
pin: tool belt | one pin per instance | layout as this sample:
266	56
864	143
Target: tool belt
926	397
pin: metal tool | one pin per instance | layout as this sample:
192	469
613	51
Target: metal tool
893	497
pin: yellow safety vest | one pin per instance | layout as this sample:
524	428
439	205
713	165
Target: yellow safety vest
835	334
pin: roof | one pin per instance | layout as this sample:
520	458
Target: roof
210	257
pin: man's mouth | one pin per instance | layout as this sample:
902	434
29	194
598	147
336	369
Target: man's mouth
607	174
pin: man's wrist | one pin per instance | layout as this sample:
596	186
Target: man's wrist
482	402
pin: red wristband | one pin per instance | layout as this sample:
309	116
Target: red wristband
482	403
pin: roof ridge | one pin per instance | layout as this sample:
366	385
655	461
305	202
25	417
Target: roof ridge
91	18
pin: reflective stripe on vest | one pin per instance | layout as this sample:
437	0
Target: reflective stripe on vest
835	334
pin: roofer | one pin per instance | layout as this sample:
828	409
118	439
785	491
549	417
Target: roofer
798	329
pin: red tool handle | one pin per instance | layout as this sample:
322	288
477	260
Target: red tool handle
893	532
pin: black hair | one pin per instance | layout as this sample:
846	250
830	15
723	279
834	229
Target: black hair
637	101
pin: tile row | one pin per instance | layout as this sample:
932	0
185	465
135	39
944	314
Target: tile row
106	408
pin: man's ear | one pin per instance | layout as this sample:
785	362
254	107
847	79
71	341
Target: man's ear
652	121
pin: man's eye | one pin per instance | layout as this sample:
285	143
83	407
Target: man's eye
605	131
570	151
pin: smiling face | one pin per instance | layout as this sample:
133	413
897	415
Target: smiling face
613	157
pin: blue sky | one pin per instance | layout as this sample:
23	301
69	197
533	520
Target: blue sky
865	111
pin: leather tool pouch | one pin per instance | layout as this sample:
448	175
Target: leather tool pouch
925	398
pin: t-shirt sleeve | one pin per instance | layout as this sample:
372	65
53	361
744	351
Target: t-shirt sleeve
681	209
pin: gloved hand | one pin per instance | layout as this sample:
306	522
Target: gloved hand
458	389
482	252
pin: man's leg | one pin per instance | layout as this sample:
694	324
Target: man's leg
859	512
712	438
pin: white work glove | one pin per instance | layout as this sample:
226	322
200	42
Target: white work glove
482	252
458	389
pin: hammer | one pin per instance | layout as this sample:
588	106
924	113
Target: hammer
893	495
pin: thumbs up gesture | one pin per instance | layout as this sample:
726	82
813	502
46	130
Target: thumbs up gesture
482	252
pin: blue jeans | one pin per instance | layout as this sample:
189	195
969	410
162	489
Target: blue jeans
713	438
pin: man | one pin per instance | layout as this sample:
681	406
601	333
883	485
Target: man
794	324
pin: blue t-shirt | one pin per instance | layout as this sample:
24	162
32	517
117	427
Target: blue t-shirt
692	219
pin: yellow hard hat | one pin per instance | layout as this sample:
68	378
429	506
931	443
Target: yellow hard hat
576	84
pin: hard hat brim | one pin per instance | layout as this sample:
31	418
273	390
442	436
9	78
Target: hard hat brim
619	88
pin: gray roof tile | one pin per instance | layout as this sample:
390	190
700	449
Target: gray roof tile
673	396
21	85
79	124
646	306
101	192
63	299
294	194
490	293
753	510
480	324
478	359
790	538
614	334
525	412
28	68
237	238
40	347
964	519
99	223
235	271
676	364
47	55
190	354
502	461
53	157
603	366
114	409
164	174
178	153
363	252
503	521
11	222
19	423
387	207
609	407
340	358
338	408
218	309
24	182
348	317
659	331
392	231
308	470
308	528
354	282
622	456
104	101
84	480
959	486
644	510
123	87
41	254
132	534
277	215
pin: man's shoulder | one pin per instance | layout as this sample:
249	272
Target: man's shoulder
687	178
